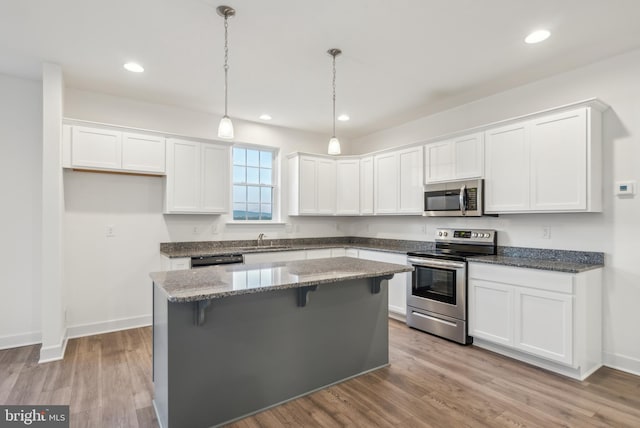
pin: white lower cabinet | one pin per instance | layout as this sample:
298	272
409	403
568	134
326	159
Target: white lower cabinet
321	253
274	256
179	263
492	310
397	284
549	319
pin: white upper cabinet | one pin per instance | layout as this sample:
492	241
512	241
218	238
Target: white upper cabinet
197	177
312	185
559	147
455	159
348	188
507	169
366	185
386	184
96	148
551	163
411	191
398	182
113	150
215	177
143	153
326	186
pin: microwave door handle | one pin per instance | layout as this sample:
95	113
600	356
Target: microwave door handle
463	199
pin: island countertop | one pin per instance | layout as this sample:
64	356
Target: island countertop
235	279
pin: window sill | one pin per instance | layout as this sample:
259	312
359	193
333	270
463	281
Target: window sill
256	222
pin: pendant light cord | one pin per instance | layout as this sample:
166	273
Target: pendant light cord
226	61
334	95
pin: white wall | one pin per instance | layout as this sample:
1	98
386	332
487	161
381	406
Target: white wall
107	278
615	231
20	216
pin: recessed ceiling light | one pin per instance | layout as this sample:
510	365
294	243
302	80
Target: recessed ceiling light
537	36
265	117
134	67
343	117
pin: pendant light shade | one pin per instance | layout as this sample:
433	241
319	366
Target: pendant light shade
334	146
334	143
225	129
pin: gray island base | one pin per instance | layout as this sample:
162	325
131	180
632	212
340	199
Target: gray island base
229	341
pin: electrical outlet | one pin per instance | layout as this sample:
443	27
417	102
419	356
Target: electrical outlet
288	228
546	233
110	231
214	229
196	230
424	229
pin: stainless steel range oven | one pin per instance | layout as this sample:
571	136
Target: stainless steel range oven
437	294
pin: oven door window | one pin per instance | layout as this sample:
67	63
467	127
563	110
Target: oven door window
435	284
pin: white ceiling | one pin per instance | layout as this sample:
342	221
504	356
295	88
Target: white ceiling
402	58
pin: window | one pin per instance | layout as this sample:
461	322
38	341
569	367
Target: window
253	183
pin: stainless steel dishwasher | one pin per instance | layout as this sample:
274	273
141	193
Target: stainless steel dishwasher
204	261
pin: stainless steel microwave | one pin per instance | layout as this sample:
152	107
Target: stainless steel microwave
454	199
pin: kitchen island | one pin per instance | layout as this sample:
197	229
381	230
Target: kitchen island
231	340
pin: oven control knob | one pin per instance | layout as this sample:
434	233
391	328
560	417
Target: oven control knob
474	235
445	234
486	235
439	233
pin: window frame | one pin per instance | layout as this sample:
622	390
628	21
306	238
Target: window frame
275	183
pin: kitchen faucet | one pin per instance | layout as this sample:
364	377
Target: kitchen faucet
260	239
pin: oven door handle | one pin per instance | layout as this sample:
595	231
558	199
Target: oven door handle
447	264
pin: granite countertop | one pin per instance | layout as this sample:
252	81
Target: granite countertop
532	258
532	263
219	248
235	279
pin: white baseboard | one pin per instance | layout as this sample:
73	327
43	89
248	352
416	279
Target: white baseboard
622	362
19	340
108	326
53	353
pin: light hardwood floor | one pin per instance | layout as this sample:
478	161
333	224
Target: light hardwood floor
431	382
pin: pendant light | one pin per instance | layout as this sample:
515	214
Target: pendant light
334	143
225	129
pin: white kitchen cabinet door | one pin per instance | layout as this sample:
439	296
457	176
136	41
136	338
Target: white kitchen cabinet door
215	178
96	148
366	185
348	187
386	184
144	153
468	156
321	253
180	263
326	186
308	185
559	162
438	161
197	177
183	176
491	311
338	252
411	191
544	324
274	256
352	252
507	169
